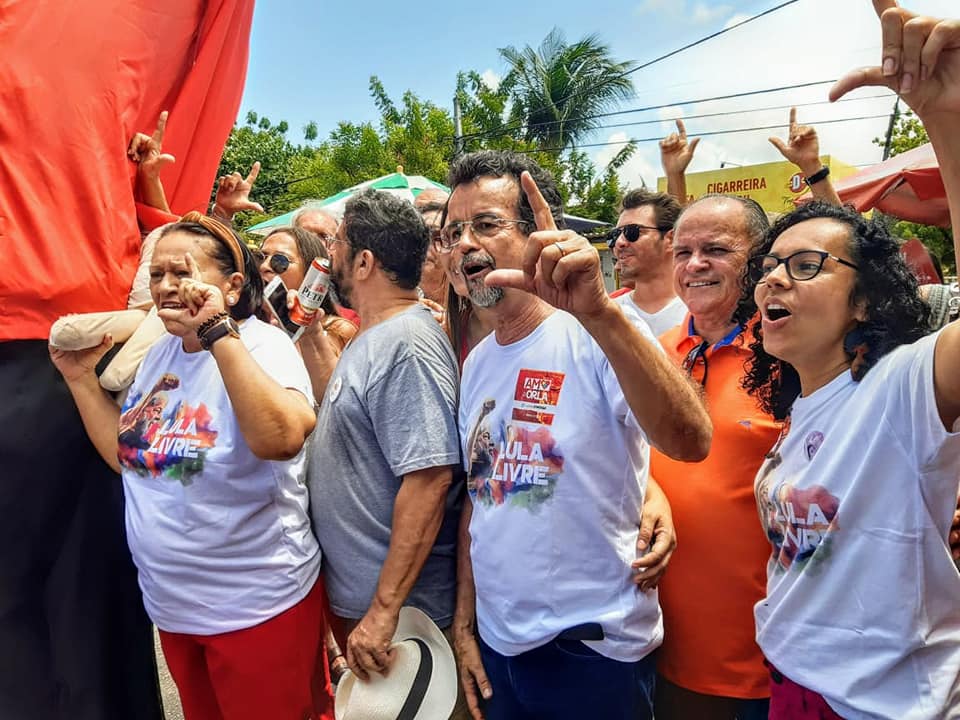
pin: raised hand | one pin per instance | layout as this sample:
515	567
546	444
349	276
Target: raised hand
233	193
920	61
676	152
559	266
802	147
201	301
147	150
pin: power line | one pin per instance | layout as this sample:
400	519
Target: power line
742	112
705	134
499	132
660	58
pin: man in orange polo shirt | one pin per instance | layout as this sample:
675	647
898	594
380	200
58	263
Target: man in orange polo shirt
709	666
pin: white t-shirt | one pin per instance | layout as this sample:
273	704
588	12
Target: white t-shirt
221	539
863	599
668	317
561	466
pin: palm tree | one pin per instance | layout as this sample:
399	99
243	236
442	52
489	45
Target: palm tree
559	88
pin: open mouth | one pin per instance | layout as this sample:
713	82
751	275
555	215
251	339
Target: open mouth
475	269
702	284
172	306
776	312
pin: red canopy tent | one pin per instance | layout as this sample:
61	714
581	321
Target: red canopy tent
907	186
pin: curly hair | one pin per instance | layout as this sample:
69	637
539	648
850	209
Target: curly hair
896	314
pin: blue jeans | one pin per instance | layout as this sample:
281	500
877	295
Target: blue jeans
566	680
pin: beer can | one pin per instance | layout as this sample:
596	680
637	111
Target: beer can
312	291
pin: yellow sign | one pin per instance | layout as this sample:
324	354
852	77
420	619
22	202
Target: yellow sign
774	185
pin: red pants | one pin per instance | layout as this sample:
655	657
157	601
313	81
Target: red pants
275	670
789	701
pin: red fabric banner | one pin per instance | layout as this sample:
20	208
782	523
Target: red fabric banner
77	81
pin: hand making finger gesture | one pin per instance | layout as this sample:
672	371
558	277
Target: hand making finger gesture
199	301
147	150
802	147
559	266
920	61
676	152
233	193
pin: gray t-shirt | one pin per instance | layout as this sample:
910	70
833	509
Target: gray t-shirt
390	409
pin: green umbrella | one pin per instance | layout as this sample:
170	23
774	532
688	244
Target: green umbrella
405	186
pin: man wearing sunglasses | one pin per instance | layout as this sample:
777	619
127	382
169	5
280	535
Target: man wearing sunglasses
642	246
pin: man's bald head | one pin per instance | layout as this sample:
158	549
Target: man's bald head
430	196
316	221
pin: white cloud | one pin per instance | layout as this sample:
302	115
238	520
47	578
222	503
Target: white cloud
701	13
490	78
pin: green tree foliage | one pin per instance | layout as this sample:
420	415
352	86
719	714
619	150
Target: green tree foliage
558	88
909	133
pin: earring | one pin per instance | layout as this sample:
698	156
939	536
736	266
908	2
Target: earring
231	299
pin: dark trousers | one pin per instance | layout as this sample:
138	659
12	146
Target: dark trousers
75	641
566	680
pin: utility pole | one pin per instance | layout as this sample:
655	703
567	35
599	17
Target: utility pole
457	128
893	122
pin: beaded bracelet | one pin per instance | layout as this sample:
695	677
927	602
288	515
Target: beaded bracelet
207	324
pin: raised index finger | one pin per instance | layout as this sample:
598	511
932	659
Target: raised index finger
254	171
881	6
681	129
193	268
793	121
161	128
541	210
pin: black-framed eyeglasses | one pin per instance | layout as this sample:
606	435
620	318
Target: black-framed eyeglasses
279	262
801	265
695	363
482	226
631	232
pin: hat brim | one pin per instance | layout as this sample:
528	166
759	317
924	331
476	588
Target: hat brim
441	695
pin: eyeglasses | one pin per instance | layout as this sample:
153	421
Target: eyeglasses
802	265
695	363
631	232
279	263
482	226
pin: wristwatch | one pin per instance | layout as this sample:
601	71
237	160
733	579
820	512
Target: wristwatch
227	326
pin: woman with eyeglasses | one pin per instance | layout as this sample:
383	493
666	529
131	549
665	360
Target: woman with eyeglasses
861	618
288	252
857	496
209	445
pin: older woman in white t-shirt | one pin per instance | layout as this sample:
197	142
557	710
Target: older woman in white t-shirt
210	447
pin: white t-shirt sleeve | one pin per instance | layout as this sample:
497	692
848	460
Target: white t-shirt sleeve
608	378
278	357
913	406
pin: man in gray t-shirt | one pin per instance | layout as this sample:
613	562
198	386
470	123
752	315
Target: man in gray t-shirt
380	469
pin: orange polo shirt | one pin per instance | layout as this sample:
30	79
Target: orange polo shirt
718	571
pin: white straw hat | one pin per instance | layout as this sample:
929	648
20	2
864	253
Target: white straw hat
421	683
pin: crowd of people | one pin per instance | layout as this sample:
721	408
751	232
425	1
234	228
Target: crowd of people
729	493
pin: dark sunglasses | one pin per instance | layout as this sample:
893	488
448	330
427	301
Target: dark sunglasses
631	232
279	263
695	363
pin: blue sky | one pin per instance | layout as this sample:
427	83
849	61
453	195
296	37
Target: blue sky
313	60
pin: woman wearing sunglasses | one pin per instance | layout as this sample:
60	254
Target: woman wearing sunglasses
210	448
288	252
